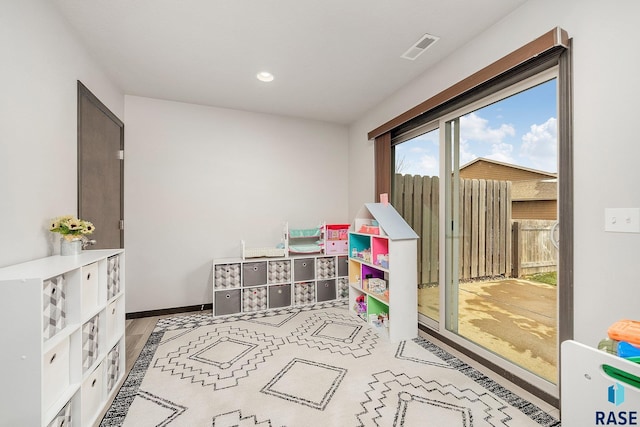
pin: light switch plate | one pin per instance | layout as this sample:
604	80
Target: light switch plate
622	220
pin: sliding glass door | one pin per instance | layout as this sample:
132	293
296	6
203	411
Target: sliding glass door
480	187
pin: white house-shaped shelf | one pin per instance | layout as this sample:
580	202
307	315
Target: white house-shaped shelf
388	219
383	246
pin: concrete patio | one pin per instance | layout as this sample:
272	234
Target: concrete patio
513	318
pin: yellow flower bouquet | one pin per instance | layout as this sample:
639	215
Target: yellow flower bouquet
71	227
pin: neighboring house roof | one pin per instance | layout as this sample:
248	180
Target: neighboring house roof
491	169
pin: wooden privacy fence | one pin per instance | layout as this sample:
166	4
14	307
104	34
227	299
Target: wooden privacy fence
533	250
416	198
485	228
485	238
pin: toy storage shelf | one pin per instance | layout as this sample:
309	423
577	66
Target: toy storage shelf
598	388
64	353
243	286
382	272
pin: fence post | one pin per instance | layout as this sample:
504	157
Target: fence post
515	240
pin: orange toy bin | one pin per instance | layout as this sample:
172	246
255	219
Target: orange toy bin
625	330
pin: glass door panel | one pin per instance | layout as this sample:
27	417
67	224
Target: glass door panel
501	263
416	196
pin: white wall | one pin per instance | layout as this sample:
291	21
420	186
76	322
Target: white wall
41	63
606	153
199	179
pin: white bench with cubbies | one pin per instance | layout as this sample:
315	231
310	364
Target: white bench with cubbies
248	285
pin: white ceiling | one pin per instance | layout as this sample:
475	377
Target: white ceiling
332	59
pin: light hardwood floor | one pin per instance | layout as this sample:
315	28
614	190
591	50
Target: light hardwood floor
137	333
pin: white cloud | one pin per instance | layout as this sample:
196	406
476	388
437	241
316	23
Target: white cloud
502	152
425	165
475	128
540	146
475	132
429	165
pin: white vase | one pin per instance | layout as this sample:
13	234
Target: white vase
70	247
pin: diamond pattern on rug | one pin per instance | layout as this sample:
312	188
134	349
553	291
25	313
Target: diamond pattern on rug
274	319
400	400
336	333
293	383
202	319
235	419
219	358
158	412
410	414
532	411
415	354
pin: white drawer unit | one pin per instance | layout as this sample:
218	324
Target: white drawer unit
55	372
89	288
64	358
115	321
257	284
92	396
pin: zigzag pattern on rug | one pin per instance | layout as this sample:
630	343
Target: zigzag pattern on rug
305	367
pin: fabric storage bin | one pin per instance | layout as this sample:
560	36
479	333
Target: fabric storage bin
113	276
337	247
55	372
279	296
342	288
89	287
326	290
279	271
63	418
325	268
114	314
113	367
226	276
254	273
89	343
92	396
303	269
53	306
343	266
304	293
227	302
254	299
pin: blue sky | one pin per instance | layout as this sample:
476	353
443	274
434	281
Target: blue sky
519	130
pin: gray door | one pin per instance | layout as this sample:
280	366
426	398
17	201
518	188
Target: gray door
100	170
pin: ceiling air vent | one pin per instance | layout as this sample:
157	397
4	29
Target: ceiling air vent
420	46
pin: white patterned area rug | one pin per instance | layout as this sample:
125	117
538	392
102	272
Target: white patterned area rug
305	367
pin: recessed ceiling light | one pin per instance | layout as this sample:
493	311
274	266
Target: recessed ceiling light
264	76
